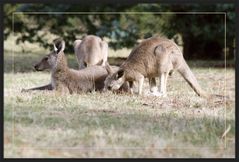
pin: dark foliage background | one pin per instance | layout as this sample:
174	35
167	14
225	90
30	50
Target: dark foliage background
201	35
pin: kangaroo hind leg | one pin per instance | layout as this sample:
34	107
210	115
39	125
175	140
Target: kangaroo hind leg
140	84
163	84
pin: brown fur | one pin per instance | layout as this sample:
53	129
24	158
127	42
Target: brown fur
65	79
69	80
154	57
91	50
125	87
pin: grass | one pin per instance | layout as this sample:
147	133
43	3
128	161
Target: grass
44	124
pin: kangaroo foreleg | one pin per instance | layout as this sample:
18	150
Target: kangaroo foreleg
62	89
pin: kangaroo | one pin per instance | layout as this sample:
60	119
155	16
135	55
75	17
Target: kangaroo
127	86
153	57
69	80
91	50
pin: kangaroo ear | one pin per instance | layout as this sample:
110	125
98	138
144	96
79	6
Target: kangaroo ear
108	68
120	73
59	45
63	45
55	49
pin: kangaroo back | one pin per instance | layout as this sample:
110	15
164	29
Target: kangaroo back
91	50
187	74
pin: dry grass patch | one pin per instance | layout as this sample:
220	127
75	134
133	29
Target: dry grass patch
43	124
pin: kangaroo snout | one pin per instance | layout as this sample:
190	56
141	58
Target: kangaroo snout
36	67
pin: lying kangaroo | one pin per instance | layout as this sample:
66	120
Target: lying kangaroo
91	50
84	50
69	80
154	57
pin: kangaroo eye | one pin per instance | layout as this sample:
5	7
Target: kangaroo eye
46	58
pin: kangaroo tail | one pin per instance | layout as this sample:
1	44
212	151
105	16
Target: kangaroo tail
187	74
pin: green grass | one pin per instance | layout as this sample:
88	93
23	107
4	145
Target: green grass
44	124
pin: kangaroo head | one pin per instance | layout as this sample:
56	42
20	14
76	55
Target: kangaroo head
114	80
50	60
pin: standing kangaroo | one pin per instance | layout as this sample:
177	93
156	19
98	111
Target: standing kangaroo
69	80
154	57
91	50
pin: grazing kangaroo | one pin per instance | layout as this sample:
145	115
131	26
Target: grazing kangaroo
91	50
127	86
69	80
154	57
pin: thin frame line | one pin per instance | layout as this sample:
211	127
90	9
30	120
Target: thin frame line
13	108
89	13
225	82
109	148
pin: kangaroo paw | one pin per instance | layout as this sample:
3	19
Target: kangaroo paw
156	93
161	94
